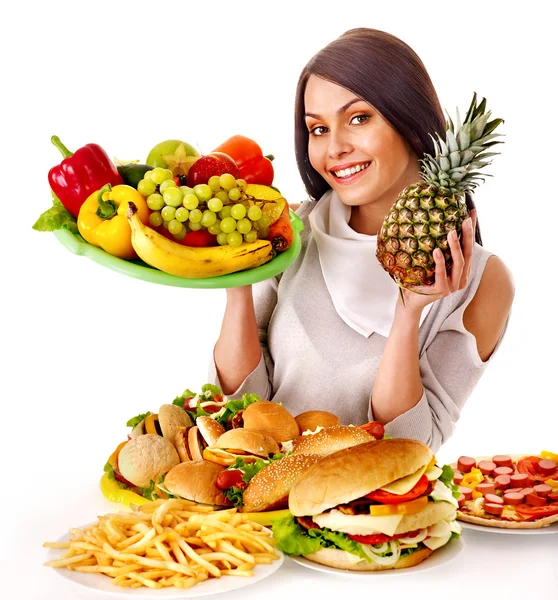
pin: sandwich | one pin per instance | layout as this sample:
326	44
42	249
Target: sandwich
166	422
190	442
329	440
141	462
242	443
195	481
313	420
378	505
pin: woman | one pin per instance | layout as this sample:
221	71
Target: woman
332	332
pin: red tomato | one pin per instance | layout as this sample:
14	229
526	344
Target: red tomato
553	496
374	428
229	478
528	466
389	498
536	512
380	538
120	478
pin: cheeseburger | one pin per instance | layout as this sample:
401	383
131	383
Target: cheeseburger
378	505
241	443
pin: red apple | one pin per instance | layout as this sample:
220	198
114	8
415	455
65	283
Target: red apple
215	163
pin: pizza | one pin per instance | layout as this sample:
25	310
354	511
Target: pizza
509	491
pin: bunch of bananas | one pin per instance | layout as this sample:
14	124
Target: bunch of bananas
193	262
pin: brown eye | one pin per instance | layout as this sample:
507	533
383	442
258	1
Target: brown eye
318	131
360	119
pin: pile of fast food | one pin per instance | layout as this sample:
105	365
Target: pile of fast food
345	496
508	491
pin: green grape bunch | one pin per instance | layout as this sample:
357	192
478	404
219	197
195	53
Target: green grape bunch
221	206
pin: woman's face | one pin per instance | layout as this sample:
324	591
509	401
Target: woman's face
354	148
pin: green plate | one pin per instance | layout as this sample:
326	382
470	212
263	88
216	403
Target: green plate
140	270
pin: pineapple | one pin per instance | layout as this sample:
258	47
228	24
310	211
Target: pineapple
425	212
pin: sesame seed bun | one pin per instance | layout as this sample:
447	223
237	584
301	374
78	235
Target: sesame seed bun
146	458
271	418
195	480
312	419
353	472
330	440
269	488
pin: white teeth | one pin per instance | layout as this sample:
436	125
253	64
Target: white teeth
348	172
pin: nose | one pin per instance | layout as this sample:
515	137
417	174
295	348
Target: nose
339	143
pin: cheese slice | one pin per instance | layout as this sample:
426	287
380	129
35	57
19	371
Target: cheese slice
405	484
433	472
358	524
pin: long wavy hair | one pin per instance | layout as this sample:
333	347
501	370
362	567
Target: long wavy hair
385	72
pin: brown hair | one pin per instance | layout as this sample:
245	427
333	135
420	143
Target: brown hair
385	72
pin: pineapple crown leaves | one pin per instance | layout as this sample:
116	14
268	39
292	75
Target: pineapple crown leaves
465	150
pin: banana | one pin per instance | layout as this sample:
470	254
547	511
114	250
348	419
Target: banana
193	262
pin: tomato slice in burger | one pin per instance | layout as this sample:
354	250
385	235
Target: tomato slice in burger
536	512
380	538
389	498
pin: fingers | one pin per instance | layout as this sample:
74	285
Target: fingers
458	261
441	277
468	241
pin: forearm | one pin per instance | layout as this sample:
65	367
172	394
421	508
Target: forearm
398	385
237	351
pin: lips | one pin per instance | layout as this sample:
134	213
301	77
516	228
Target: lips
348	174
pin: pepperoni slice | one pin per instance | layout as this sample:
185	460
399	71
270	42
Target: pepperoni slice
546	467
461	500
467	492
494	509
542	490
503	471
486	467
457	477
493	499
519	479
466	463
513	498
502	460
486	488
502	482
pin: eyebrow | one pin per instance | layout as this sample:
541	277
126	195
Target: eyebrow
339	110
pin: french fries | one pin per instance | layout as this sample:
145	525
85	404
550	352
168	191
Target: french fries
167	543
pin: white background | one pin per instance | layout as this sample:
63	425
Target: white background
84	348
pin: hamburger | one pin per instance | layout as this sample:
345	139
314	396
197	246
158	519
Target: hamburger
378	505
271	418
166	422
313	420
190	442
195	481
140	463
242	443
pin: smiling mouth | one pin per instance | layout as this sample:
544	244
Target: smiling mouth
346	173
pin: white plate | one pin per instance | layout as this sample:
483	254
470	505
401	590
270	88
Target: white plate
103	583
540	531
437	558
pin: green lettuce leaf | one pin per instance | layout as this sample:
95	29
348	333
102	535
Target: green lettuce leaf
447	479
137	419
235	495
291	538
56	217
234	406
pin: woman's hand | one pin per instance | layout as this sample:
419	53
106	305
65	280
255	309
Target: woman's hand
444	285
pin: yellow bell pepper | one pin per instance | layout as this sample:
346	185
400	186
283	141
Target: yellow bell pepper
403	508
102	219
472	479
549	455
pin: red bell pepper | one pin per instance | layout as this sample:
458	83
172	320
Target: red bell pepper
254	167
80	174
